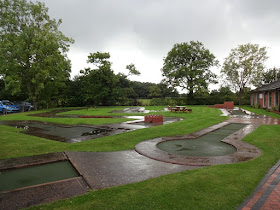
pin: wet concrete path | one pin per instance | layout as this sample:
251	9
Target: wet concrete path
109	169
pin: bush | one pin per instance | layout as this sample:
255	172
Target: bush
144	102
274	108
257	106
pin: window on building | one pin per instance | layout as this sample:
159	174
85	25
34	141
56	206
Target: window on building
276	98
258	96
269	99
264	101
253	99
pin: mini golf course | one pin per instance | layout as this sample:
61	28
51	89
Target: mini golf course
76	172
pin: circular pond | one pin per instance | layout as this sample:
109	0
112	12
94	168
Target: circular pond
206	145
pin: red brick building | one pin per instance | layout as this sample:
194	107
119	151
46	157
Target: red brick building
267	96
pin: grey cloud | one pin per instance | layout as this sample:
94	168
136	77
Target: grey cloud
156	25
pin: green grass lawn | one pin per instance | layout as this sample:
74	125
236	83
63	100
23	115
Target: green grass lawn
15	144
260	111
215	187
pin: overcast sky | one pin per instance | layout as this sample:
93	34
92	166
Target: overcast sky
143	31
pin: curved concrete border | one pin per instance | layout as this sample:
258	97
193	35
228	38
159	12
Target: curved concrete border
245	151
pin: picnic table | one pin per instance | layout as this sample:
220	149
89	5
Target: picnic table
179	109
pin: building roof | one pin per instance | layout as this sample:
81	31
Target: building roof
271	86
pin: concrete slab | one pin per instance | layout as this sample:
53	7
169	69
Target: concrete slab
45	193
109	169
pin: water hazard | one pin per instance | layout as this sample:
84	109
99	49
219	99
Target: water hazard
206	145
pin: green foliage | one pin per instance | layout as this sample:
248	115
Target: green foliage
150	90
132	70
200	98
222	95
154	92
244	66
141	88
187	66
98	85
257	106
101	86
274	108
269	76
33	50
168	101
144	102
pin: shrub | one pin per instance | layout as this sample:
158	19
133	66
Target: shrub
257	106
274	108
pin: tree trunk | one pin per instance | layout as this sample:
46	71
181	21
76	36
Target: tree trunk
190	95
240	94
35	102
35	105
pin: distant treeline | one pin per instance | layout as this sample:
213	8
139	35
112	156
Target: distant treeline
123	92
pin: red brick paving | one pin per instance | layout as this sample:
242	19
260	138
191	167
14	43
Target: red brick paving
272	201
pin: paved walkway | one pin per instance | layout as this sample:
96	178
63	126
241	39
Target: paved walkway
109	169
267	194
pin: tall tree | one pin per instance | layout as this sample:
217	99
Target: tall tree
32	49
187	65
99	83
244	66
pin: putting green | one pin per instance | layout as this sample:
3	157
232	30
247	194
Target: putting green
34	175
206	145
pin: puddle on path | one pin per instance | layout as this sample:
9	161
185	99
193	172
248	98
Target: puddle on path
206	145
240	113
